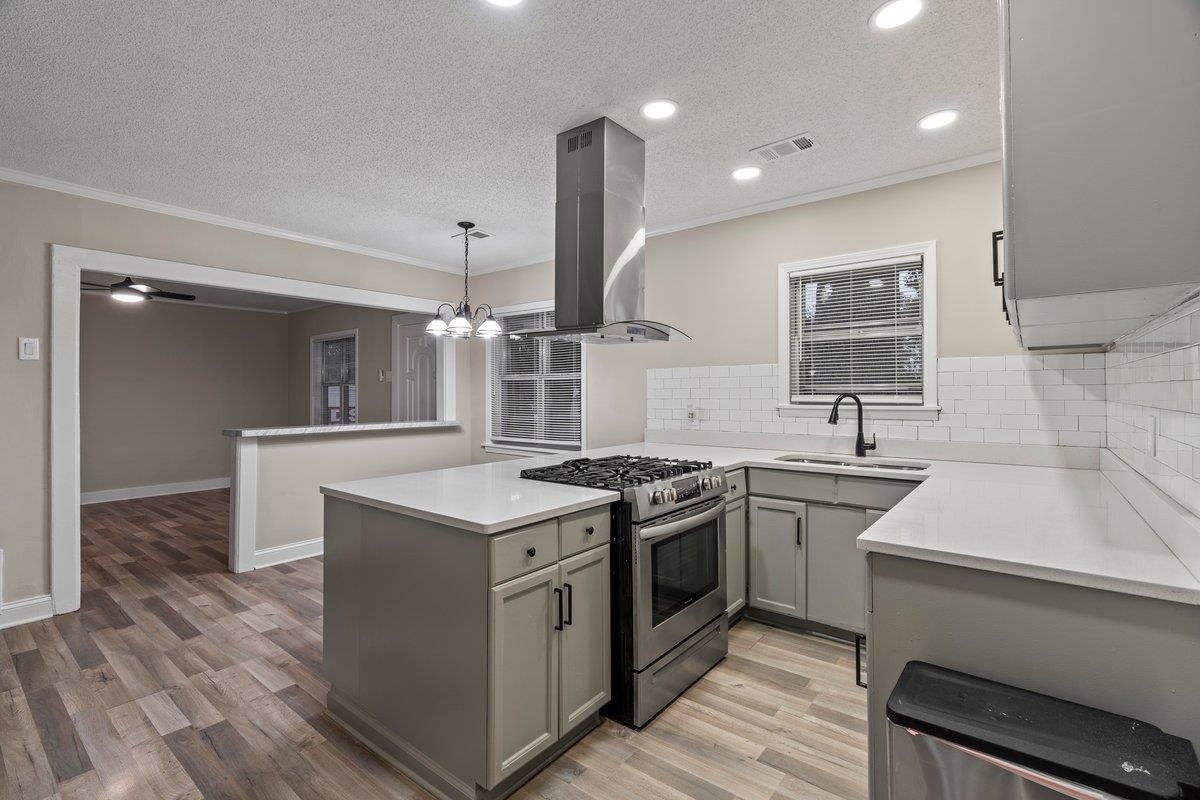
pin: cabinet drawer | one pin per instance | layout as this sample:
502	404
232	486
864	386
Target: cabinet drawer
523	551
793	485
872	493
736	481
581	530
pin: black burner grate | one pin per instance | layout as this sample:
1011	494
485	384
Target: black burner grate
614	472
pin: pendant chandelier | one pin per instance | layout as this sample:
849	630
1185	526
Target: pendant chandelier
460	323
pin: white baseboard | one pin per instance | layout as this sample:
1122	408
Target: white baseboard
29	609
271	556
134	492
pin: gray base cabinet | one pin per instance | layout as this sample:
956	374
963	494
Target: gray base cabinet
468	661
736	551
837	568
524	671
585	681
778	568
803	549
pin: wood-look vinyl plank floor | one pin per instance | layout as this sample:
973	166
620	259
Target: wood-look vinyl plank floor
179	680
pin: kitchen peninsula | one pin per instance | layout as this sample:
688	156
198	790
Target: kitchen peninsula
442	630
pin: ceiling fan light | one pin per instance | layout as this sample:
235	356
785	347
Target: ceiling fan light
459	327
436	326
127	296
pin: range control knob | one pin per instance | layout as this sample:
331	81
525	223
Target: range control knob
658	497
707	483
671	495
718	481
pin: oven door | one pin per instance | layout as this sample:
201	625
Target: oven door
679	578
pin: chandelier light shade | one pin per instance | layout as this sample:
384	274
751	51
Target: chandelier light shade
460	321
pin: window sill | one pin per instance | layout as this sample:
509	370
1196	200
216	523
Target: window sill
892	411
515	450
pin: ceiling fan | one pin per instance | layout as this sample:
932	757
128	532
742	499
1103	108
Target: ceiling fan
127	291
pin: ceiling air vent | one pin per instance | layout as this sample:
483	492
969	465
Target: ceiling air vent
790	146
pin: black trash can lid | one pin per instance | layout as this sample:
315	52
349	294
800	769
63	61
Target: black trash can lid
1104	751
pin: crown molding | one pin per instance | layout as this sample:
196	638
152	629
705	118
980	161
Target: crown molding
904	176
78	190
928	171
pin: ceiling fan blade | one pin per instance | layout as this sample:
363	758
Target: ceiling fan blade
94	285
94	289
171	295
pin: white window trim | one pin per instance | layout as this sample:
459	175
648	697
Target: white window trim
929	408
312	376
511	449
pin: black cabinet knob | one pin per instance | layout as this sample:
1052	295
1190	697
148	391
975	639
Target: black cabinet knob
589	530
531	552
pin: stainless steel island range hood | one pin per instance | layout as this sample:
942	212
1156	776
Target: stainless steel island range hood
600	239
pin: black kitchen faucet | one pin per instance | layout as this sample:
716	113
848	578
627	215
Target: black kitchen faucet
860	444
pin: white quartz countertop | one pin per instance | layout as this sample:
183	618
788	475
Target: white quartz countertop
1065	525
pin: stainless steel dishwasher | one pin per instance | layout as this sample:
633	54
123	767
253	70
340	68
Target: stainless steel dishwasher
960	737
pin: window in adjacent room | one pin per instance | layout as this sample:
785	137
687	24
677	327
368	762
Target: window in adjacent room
863	323
535	387
335	378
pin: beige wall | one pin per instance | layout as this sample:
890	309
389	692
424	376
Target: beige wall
719	283
374	353
159	381
291	469
30	221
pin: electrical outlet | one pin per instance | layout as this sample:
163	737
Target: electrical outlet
692	421
28	349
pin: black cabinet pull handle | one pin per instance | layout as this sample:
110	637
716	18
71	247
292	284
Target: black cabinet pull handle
589	530
559	594
570	604
799	531
531	552
860	644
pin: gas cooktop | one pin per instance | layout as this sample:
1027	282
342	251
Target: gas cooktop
615	472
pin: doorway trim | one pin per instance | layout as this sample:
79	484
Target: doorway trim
66	264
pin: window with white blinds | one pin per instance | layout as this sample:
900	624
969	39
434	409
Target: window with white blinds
859	328
536	387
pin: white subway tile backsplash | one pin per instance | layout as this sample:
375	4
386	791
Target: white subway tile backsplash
999	399
987	363
1152	381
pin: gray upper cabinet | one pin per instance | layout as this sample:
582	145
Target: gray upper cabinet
586	672
837	569
735	553
1101	109
777	556
524	671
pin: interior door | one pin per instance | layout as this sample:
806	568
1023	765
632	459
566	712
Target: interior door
777	556
735	554
414	374
524	657
586	675
837	569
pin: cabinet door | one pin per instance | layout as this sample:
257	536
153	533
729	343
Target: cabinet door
735	553
777	556
523	684
586	674
837	569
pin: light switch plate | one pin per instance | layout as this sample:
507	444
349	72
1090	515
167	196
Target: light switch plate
28	349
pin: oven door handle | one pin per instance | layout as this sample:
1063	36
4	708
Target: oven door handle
680	525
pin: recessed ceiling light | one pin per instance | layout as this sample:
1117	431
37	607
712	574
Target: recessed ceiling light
746	173
938	119
505	3
659	109
895	13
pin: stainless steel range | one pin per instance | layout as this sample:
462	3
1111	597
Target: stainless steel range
669	621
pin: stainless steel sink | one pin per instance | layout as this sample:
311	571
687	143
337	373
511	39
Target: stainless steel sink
869	463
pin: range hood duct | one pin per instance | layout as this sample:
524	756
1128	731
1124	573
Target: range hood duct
600	239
